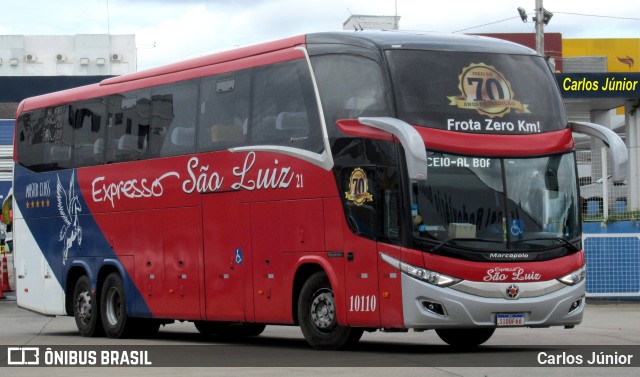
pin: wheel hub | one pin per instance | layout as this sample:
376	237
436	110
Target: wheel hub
323	310
83	307
113	304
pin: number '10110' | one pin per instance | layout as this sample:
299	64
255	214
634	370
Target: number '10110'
362	303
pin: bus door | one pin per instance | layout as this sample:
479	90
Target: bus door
372	200
361	267
225	234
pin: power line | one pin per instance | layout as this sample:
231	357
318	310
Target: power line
569	13
598	15
490	23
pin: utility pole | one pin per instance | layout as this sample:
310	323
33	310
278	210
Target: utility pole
539	20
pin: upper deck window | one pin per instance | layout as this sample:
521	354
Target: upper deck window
476	92
272	105
224	110
284	110
350	86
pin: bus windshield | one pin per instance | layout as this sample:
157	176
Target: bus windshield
475	92
497	204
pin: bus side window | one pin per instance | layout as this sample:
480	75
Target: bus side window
45	139
114	120
174	117
388	182
350	86
128	136
29	134
284	109
224	111
87	119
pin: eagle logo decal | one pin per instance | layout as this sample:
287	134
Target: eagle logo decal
68	207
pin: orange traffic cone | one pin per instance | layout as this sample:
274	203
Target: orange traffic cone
5	274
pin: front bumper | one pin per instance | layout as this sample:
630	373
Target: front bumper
478	306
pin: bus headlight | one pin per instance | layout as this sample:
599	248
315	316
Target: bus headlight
575	277
431	277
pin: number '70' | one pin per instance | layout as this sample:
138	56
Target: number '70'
492	86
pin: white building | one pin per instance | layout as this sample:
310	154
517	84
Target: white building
364	22
67	55
33	64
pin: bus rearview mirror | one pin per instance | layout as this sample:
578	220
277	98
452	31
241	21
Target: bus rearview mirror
617	148
389	129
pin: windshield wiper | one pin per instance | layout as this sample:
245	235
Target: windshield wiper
443	243
563	240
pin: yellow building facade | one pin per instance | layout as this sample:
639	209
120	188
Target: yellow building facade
623	54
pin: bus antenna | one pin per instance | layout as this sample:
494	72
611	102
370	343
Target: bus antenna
356	21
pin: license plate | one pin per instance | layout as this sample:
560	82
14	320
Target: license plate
512	319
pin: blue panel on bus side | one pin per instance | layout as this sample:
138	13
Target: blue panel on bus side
59	219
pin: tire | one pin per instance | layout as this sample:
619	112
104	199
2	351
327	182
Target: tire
247	329
145	327
317	316
85	309
113	308
354	337
208	327
226	329
465	338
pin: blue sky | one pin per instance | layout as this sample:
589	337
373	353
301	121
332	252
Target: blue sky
171	30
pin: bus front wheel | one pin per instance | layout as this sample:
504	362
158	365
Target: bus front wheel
465	338
317	316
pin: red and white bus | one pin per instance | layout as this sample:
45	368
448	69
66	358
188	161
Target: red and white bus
286	184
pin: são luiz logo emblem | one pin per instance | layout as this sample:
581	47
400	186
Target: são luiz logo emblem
485	89
358	187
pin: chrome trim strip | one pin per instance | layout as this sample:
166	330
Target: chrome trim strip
498	290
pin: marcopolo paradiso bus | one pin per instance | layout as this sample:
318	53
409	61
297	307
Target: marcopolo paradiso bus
286	184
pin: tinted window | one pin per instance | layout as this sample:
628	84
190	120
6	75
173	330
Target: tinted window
350	87
174	111
129	126
167	120
224	111
284	108
476	92
45	139
87	122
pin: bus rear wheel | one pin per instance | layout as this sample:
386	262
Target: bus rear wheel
465	338
317	316
113	308
85	309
